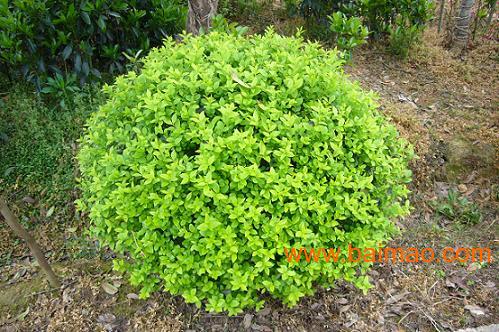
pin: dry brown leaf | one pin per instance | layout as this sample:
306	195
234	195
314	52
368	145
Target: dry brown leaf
132	296
342	301
396	298
247	321
474	310
344	308
462	188
108	288
29	200
264	312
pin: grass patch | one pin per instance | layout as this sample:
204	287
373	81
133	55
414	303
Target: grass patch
37	141
14	299
457	208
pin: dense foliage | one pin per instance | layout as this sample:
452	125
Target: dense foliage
41	38
224	150
378	15
399	21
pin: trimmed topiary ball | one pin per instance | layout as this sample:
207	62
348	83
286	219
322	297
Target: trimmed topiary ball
225	150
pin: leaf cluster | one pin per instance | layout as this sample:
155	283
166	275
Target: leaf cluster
348	32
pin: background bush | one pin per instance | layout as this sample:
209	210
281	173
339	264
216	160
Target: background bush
348	33
382	17
402	36
41	38
224	150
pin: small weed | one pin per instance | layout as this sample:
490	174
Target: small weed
62	89
402	37
457	208
437	230
80	246
440	274
495	192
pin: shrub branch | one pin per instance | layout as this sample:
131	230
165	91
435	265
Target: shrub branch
13	222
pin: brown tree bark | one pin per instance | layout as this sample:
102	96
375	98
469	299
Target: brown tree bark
200	15
441	15
462	28
13	222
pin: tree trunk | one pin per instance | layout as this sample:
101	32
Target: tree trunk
462	28
12	221
491	12
441	15
200	15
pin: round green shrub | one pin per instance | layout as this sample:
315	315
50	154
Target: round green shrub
225	150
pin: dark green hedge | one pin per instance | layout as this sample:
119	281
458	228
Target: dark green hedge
40	38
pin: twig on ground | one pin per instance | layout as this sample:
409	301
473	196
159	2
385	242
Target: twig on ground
436	282
13	222
405	316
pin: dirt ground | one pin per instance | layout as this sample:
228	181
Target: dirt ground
445	106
